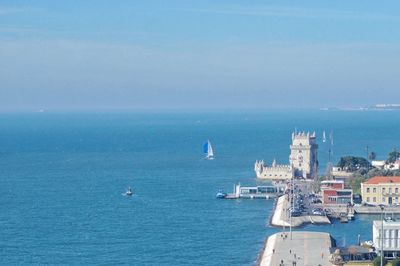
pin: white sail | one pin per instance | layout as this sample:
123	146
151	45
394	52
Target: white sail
323	137
210	154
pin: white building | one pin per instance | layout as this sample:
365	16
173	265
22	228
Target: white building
393	166
391	237
378	164
386	166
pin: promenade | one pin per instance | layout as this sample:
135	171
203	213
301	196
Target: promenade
304	249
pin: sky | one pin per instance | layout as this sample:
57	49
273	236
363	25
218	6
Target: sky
122	55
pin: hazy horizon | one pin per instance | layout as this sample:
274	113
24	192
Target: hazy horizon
104	55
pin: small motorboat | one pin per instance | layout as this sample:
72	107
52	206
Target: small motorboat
343	217
129	192
221	194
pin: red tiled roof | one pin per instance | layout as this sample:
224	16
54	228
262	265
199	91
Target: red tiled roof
330	192
383	179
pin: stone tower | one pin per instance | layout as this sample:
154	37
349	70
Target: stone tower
304	155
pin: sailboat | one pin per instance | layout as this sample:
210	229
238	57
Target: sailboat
323	137
129	192
208	150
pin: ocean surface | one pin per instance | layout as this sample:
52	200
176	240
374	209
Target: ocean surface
62	177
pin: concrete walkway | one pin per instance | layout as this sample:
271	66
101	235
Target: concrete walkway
305	249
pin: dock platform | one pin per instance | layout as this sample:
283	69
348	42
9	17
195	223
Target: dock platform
258	192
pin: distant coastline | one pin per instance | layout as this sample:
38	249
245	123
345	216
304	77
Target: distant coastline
376	107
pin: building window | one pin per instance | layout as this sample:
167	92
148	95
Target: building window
374	190
383	190
396	200
390	190
374	199
383	199
332	199
367	189
367	199
396	190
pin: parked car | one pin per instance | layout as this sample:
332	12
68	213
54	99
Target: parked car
318	212
316	201
295	213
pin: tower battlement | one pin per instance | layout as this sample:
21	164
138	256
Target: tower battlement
303	138
275	171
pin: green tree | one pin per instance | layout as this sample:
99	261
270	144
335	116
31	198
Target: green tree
379	172
355	183
396	262
393	156
352	163
396	172
377	261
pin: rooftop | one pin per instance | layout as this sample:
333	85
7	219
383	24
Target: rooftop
383	179
387	222
332	182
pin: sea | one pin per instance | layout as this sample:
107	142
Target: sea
63	176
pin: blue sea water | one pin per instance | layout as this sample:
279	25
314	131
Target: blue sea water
62	177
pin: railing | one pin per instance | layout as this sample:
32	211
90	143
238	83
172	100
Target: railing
390	194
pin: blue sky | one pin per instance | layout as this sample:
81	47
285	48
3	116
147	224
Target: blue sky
97	55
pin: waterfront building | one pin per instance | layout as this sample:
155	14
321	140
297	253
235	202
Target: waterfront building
303	160
304	155
381	190
334	192
351	254
390	237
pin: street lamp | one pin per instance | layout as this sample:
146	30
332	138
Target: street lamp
382	208
291	206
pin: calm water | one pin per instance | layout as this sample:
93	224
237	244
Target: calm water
61	179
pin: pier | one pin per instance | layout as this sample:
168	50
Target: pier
300	249
258	192
335	210
281	217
